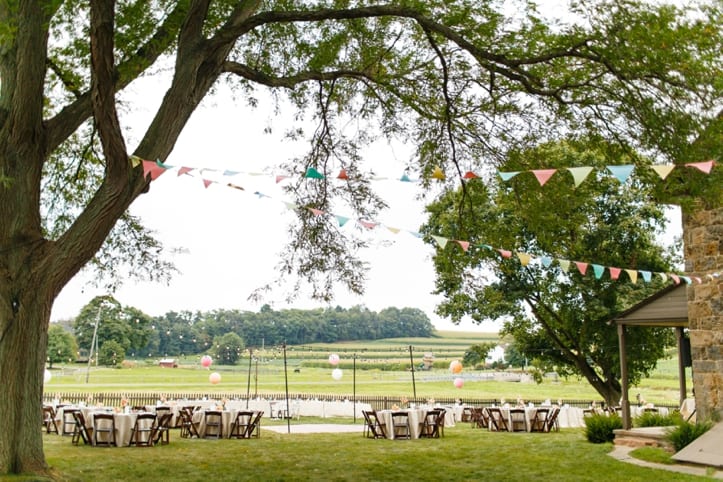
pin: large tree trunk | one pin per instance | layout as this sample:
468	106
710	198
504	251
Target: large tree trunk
24	318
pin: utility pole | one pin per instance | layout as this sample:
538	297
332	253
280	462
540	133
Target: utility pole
93	343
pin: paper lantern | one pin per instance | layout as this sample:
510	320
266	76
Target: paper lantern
214	378
47	376
458	382
455	367
206	361
336	374
334	359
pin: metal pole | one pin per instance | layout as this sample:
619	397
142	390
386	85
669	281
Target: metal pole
414	383
354	387
286	380
248	380
93	342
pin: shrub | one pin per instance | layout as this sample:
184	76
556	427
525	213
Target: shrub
686	432
654	419
599	428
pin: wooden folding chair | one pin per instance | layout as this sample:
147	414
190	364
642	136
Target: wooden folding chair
81	432
51	426
518	420
214	424
254	426
162	429
189	428
400	425
104	429
552	422
373	428
537	424
497	420
143	430
240	425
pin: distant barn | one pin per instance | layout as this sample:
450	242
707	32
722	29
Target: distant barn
168	363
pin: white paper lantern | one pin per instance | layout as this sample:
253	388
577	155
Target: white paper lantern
336	373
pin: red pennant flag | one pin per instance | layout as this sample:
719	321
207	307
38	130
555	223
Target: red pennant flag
470	175
342	174
464	245
614	273
183	170
153	169
207	183
702	166
543	175
581	267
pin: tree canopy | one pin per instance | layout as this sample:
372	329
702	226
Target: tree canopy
462	82
558	316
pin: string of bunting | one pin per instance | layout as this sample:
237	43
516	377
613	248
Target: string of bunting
154	169
579	174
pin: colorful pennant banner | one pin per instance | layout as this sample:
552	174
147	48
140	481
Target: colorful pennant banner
154	169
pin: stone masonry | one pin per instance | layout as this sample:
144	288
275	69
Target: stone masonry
703	240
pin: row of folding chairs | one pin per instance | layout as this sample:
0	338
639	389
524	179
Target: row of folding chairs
247	424
492	418
432	426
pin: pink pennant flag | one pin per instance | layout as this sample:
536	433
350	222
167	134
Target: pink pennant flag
614	272
280	178
207	183
317	212
543	175
367	224
702	166
183	170
464	245
675	277
581	267
505	253
153	169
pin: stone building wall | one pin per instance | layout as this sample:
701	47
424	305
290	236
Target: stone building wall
703	240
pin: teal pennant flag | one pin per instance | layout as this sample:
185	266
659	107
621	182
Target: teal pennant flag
621	173
598	270
312	173
506	176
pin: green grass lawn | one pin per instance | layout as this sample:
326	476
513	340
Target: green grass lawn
463	454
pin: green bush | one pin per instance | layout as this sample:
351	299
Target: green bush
599	428
654	419
686	432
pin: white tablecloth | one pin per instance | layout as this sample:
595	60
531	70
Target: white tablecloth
228	417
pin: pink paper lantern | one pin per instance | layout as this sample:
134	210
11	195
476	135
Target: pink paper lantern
334	359
455	367
206	361
458	382
214	378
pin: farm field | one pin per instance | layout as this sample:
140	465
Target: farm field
308	371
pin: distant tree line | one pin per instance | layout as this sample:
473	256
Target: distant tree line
226	333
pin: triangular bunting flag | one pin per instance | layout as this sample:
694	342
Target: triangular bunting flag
183	170
663	170
663	276
581	267
368	224
416	234
614	272
235	186
546	261
702	166
291	206
675	277
438	174
317	212
342	220
633	275
280	178
135	161
524	258
543	175
505	254
579	174
393	230
442	242
647	275
230	173
469	175
312	173
153	169
405	178
342	174
506	176
464	245
686	279
261	195
621	172
598	270
207	182
564	264
484	246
